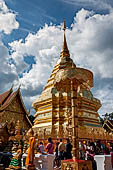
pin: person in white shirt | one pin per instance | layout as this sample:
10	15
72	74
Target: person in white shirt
61	150
41	147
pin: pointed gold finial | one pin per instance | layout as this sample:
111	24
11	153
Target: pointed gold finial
11	89
64	28
19	86
65	51
12	86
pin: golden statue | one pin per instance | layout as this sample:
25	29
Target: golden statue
30	153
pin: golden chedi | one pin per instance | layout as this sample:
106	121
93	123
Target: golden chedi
54	107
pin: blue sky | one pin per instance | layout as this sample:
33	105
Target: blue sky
31	39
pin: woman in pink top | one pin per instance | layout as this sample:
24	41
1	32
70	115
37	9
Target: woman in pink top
50	146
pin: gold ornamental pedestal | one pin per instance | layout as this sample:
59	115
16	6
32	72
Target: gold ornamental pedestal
76	165
30	167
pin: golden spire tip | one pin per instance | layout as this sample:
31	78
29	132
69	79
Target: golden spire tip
65	51
64	26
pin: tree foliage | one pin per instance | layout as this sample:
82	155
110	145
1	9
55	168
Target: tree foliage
31	118
101	121
106	116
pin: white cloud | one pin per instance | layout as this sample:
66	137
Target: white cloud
97	4
7	19
28	101
7	70
44	45
106	96
90	42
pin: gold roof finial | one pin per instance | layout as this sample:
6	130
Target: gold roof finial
65	51
64	28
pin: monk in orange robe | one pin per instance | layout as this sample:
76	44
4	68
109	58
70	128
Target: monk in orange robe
30	154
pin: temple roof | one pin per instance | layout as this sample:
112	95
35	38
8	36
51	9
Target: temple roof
7	97
108	125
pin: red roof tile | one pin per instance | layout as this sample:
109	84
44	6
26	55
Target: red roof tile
8	99
3	96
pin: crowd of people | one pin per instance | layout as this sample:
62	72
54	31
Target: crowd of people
62	151
87	150
99	147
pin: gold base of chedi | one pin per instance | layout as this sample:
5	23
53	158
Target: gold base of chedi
30	167
76	165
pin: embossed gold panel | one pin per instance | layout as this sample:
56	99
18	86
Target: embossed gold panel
76	165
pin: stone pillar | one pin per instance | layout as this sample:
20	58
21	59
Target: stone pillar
75	141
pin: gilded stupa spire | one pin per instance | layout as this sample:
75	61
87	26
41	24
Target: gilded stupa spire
65	51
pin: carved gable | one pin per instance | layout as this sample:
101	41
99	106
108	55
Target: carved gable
14	109
16	105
